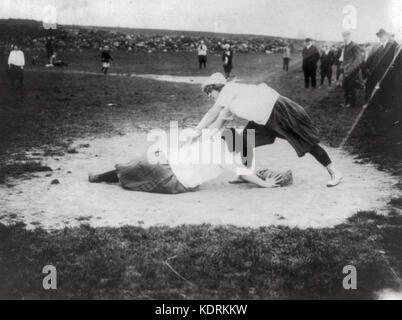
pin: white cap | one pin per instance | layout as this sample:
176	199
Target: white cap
216	78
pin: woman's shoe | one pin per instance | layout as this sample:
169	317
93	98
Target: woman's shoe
93	178
336	179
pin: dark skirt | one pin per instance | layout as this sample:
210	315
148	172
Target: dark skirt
140	175
290	121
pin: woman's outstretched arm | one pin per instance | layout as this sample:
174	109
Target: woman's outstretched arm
273	182
209	117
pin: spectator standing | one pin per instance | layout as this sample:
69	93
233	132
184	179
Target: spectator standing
376	66
49	48
311	56
106	59
351	62
227	58
327	61
16	63
202	54
286	57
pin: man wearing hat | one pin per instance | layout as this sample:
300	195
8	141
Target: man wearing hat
311	56
269	115
351	62
376	66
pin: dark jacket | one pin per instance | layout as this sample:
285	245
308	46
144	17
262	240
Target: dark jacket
229	55
106	57
397	86
352	58
338	54
327	60
311	56
378	62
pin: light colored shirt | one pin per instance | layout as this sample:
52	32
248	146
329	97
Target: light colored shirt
203	161
286	52
16	58
202	50
249	102
342	57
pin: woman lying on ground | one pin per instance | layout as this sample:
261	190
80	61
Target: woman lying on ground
163	172
270	115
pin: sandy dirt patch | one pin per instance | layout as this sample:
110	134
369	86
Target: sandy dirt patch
308	203
157	77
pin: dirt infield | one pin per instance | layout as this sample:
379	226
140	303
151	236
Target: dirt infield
308	203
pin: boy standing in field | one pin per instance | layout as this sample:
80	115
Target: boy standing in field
227	58
106	58
16	63
202	54
286	58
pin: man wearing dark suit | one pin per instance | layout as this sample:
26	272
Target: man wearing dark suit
351	62
376	66
311	56
327	61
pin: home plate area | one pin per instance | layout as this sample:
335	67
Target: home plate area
306	203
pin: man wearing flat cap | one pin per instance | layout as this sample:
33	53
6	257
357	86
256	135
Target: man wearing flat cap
311	56
351	58
376	67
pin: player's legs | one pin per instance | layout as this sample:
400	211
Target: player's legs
322	157
313	76
291	122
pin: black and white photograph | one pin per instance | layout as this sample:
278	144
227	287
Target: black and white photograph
178	151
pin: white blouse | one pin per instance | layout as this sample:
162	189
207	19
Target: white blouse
16	58
250	102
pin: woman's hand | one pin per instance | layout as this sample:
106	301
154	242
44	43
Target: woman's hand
274	181
194	136
270	182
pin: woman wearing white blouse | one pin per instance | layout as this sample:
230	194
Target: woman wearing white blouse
16	63
269	114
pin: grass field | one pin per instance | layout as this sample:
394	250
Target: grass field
54	109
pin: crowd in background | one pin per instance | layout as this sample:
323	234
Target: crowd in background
348	64
76	39
376	68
